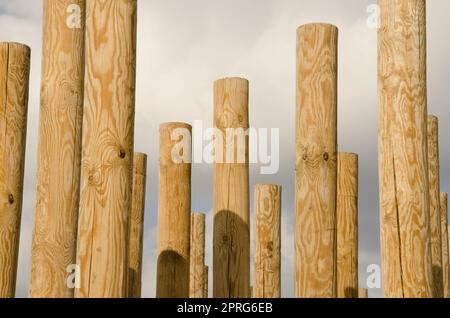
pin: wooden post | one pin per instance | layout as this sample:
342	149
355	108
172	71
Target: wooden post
205	283
347	226
107	156
267	248
363	293
445	247
316	156
197	258
435	212
59	154
403	158
136	226
14	74
231	246
174	211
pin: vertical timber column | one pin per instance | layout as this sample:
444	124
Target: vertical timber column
59	154
231	243
107	156
206	282
267	249
14	80
445	248
136	226
197	258
174	211
347	226
435	211
403	157
316	156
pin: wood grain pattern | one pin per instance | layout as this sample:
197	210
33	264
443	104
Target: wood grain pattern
206	283
107	155
136	226
435	212
197	258
316	156
59	152
347	226
363	293
231	243
267	248
174	214
14	81
403	157
445	246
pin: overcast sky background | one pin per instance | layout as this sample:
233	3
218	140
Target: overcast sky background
183	46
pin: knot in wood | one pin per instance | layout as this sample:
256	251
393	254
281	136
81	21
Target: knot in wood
225	239
122	153
326	156
11	198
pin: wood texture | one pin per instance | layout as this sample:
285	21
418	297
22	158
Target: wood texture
347	226
136	226
197	258
206	282
231	243
403	158
174	213
59	152
107	156
435	212
316	156
445	246
363	293
267	248
14	81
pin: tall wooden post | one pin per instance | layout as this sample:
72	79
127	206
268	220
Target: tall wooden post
316	156
174	211
14	80
267	248
347	226
206	283
197	258
231	246
107	156
445	247
59	154
403	158
435	212
136	226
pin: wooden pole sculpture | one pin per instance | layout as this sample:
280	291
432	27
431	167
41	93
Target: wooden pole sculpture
347	226
316	156
403	163
174	211
14	74
197	258
107	156
136	226
267	249
59	154
445	247
231	246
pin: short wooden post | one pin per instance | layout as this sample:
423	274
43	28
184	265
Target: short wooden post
197	258
445	247
231	246
59	154
174	211
363	293
435	211
136	226
205	283
316	156
108	141
347	226
14	75
403	158
267	248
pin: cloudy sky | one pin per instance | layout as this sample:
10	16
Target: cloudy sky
183	46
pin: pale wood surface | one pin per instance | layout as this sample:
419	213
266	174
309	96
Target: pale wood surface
231	243
174	216
445	247
316	156
347	226
403	170
136	226
363	293
197	258
14	80
267	248
107	155
59	153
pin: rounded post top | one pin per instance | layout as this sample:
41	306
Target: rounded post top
308	26
174	125
232	79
